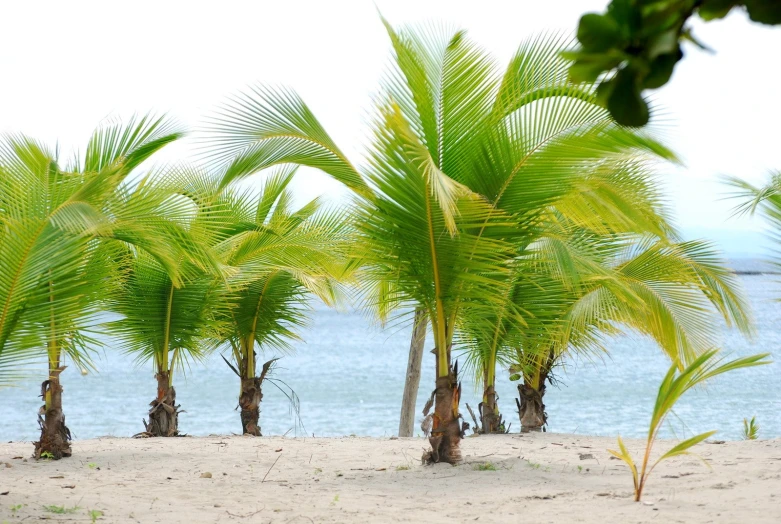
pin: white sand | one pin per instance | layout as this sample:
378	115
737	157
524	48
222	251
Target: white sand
538	478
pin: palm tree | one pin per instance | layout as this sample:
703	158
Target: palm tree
670	291
415	225
57	219
423	248
523	142
284	257
614	197
169	320
464	161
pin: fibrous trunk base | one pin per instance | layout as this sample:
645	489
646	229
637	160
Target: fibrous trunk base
163	411
490	418
55	435
531	408
446	430
249	401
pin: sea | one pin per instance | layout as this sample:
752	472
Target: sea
347	374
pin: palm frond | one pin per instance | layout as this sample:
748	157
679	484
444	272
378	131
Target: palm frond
264	127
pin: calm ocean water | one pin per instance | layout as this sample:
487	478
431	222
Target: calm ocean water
349	377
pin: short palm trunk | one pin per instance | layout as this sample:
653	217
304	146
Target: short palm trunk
531	408
251	395
490	418
446	431
55	435
163	412
249	402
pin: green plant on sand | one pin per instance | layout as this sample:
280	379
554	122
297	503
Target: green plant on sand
61	510
750	429
675	384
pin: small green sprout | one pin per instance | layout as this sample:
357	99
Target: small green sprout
750	429
673	386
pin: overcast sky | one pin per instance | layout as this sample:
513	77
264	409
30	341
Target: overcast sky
68	65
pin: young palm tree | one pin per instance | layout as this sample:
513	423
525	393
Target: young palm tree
612	199
56	220
420	222
464	161
283	258
422	248
167	320
523	141
671	292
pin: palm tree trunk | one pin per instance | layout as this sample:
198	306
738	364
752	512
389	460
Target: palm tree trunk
249	401
446	430
55	436
163	412
251	393
490	418
531	408
412	381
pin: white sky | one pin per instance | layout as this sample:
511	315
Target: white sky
67	65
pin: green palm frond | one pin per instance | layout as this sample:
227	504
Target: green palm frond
427	239
444	85
535	72
264	127
750	429
672	292
685	287
765	200
167	319
161	321
129	143
282	259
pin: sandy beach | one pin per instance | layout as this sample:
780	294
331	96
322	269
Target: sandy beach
505	478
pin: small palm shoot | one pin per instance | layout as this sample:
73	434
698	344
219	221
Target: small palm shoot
750	429
675	384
